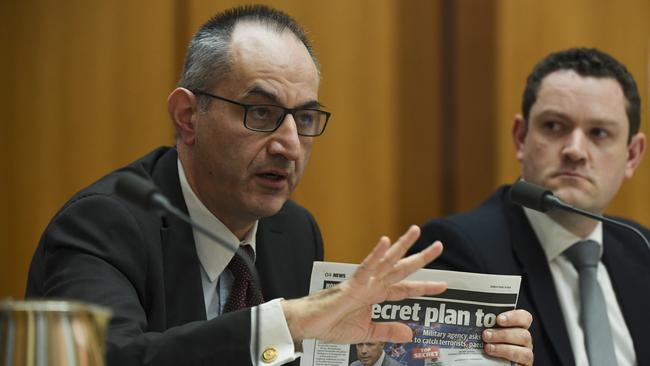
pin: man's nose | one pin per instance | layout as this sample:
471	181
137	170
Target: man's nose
285	140
575	146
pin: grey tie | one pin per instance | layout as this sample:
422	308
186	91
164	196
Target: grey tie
585	256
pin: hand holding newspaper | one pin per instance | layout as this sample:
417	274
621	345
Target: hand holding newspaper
446	328
341	314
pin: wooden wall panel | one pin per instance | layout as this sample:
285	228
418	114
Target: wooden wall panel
472	99
85	93
419	124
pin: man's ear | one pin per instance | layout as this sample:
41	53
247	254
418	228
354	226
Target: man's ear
183	109
635	151
519	130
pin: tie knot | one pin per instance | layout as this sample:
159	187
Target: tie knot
247	250
584	254
237	265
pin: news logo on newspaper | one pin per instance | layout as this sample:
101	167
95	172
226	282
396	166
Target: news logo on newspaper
446	328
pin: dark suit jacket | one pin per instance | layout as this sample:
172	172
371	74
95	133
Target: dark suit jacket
101	249
497	238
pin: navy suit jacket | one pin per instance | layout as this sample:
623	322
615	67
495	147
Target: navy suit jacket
497	238
143	265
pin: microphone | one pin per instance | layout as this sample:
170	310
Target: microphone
144	194
541	199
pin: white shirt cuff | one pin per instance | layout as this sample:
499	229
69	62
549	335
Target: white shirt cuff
276	345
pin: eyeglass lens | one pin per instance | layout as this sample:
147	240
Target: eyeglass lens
267	118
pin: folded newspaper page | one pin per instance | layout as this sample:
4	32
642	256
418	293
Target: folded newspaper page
446	328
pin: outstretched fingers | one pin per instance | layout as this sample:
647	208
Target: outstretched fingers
370	264
406	266
384	256
399	248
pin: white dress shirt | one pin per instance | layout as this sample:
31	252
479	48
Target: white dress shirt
380	360
274	330
555	240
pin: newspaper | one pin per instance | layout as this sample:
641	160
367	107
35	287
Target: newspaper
447	328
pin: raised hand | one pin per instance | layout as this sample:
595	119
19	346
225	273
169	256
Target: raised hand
342	314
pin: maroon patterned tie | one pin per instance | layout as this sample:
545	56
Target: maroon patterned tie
244	292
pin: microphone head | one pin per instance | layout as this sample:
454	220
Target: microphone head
136	189
530	195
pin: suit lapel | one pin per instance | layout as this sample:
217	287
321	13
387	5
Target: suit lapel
285	247
267	239
273	254
538	283
183	289
627	261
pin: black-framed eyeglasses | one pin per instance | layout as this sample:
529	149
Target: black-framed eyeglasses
269	117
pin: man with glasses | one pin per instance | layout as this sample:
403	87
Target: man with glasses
245	113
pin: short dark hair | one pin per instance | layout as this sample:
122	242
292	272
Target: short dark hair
208	56
586	62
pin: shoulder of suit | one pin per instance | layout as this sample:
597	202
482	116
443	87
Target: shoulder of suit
488	215
292	208
624	234
143	166
104	187
629	222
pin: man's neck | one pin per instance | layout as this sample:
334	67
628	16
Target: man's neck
238	226
240	229
574	223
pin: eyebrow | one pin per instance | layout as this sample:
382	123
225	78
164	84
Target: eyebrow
557	114
259	91
552	113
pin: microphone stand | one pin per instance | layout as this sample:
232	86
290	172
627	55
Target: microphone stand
540	199
558	204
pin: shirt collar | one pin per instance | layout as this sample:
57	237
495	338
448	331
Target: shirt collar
213	257
554	238
380	360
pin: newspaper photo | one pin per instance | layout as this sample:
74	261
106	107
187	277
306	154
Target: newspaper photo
446	328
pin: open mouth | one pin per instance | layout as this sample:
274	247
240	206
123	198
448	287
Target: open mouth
274	177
